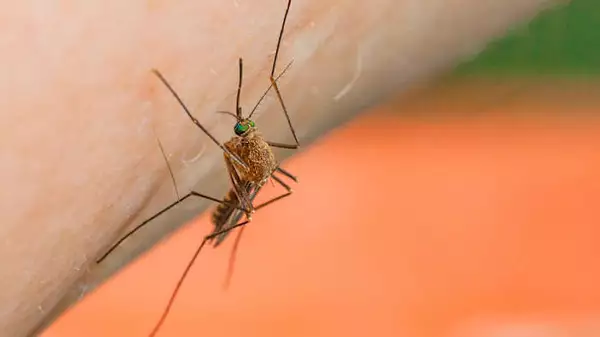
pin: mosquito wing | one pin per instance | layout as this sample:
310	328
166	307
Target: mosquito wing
228	216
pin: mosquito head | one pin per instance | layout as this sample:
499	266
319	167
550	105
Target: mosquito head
243	127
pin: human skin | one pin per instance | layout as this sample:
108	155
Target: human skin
81	111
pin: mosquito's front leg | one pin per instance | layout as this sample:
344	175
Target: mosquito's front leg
194	120
287	116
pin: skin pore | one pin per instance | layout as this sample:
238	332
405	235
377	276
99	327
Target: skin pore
81	111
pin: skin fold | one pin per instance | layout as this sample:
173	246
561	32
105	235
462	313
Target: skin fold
81	112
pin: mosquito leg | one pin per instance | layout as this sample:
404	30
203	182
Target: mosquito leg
179	199
177	288
215	234
238	238
280	182
273	81
286	173
264	204
233	255
234	218
138	227
287	10
224	202
193	259
287	116
269	89
197	252
283	146
287	194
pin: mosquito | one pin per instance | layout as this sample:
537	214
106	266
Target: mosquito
256	153
248	156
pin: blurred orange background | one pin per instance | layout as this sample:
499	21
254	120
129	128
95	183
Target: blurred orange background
469	224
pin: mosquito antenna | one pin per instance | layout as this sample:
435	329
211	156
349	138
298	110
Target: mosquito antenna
238	109
269	89
287	9
187	111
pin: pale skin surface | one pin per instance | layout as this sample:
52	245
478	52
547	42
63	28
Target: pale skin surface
79	106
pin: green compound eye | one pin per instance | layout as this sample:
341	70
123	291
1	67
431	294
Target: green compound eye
240	128
251	123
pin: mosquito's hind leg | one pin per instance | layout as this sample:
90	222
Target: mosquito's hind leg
243	223
224	202
280	182
138	227
163	317
286	173
238	238
199	249
195	256
284	185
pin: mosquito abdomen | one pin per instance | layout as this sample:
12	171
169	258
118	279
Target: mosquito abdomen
226	215
223	211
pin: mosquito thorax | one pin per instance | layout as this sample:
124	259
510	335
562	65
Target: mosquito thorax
243	126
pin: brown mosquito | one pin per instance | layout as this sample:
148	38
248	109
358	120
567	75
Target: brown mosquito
256	153
248	156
